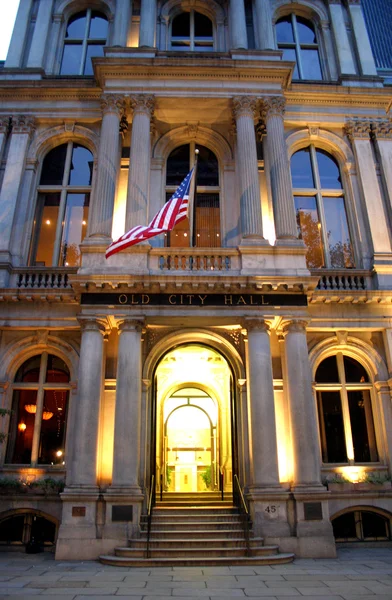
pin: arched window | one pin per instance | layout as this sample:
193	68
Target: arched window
345	411
206	201
361	526
39	412
297	38
26	526
320	208
192	31
60	222
85	37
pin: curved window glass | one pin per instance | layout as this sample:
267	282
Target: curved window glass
320	209
85	38
297	39
192	31
345	411
361	526
60	223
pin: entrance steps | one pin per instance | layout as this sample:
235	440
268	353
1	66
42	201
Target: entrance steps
195	530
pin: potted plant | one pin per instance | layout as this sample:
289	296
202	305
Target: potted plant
373	481
207	477
339	483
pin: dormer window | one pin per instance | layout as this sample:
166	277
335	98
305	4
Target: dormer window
85	38
192	31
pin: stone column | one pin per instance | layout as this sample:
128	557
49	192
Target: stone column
22	129
303	418
37	53
128	408
101	214
140	159
148	17
263	25
384	389
264	452
122	22
345	55
364	49
278	162
19	34
238	34
82	471
244	108
382	132
4	128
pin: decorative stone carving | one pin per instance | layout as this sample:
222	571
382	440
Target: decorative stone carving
244	106
192	128
313	131
143	103
296	325
91	324
5	123
273	106
113	103
131	325
358	129
382	129
22	124
256	325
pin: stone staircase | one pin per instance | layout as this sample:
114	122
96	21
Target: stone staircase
194	530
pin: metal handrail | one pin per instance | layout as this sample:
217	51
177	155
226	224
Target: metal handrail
239	501
221	483
150	506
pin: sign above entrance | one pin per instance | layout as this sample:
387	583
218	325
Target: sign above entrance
196	300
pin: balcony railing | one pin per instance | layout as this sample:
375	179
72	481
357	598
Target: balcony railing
204	260
343	280
42	278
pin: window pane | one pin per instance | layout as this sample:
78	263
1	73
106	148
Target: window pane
329	171
43	531
72	58
52	437
46	224
344	527
284	30
20	435
331	428
301	169
203	26
340	250
57	371
207	167
305	31
74	230
29	371
310	61
76	28
362	427
207	221
53	166
309	230
354	371
177	165
92	50
81	166
11	530
374	526
184	45
290	55
98	27
181	25
327	371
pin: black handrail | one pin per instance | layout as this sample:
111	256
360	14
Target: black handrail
221	483
239	501
150	506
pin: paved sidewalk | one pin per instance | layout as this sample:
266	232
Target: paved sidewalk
356	575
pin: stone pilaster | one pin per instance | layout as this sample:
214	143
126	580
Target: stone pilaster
122	22
273	109
384	389
37	52
382	134
148	18
140	159
342	43
82	468
128	409
244	108
101	215
4	130
19	34
264	30
238	34
364	49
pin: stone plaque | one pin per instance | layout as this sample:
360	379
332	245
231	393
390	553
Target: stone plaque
122	512
78	511
313	511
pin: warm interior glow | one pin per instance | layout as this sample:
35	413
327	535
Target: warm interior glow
31	408
118	226
22	427
353	474
106	438
46	415
283	439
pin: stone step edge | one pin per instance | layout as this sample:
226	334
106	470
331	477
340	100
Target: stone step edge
197	550
274	559
194	540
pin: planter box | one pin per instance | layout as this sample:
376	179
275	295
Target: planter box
341	487
372	487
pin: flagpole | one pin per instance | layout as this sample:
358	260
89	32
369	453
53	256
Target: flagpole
192	207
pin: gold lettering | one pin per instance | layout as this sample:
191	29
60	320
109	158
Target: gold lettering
202	298
171	301
190	297
241	300
133	301
181	299
145	299
262	300
228	299
251	301
123	299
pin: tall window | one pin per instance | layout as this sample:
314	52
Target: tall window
39	412
192	31
297	38
206	201
321	214
345	411
62	208
85	37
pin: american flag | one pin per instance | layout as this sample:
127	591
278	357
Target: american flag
174	211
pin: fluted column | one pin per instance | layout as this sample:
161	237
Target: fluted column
148	18
22	129
19	34
263	25
4	129
365	53
101	215
37	53
128	407
140	159
250	204
382	133
82	472
282	196
302	408
239	38
264	451
345	55
122	22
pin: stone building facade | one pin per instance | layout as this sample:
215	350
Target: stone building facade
262	353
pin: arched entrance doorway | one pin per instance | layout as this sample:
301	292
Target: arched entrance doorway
194	429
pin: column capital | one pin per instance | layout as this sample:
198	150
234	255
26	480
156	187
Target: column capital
244	106
135	325
113	103
4	124
256	325
91	324
273	106
294	326
22	124
142	103
358	129
382	130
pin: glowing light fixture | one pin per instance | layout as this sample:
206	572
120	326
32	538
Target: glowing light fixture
46	415
31	408
22	427
47	221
